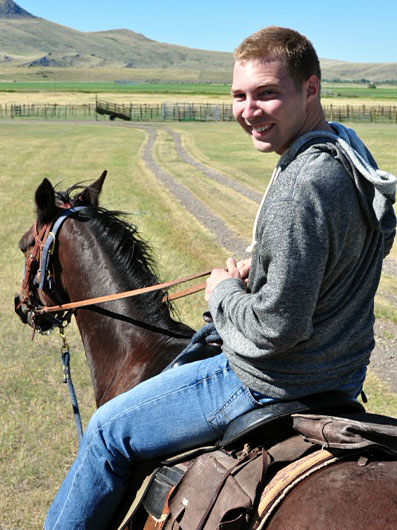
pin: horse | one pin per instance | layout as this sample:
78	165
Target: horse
126	341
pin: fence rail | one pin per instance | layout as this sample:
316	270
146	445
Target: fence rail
48	111
361	113
166	111
145	112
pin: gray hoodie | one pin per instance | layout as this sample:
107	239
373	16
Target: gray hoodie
306	323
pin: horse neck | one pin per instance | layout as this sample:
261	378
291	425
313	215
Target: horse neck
122	347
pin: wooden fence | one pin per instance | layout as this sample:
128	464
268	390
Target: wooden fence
361	113
49	111
166	111
179	112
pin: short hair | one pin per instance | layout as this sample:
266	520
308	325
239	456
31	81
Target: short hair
295	50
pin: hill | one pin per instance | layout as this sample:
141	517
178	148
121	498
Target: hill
35	43
26	40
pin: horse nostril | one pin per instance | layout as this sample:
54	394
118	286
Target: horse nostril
17	302
20	309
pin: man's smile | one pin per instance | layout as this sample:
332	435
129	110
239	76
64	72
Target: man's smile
262	129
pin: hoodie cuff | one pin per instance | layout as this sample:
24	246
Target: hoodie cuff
225	288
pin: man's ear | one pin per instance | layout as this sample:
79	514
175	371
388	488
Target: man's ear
90	195
313	85
45	202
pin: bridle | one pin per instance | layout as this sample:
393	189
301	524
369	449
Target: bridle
38	276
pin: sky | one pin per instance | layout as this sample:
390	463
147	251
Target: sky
347	30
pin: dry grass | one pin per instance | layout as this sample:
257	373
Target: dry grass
78	98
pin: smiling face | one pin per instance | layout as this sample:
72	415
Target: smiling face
268	104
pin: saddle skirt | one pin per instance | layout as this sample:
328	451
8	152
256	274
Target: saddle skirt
233	487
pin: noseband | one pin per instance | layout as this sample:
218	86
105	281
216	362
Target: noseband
38	275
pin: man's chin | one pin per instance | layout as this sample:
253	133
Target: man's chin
263	147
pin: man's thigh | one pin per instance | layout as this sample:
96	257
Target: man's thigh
180	408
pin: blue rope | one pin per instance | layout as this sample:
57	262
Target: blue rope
75	404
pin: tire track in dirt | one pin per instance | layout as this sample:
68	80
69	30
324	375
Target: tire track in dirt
211	172
222	233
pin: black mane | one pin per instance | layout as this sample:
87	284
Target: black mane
133	264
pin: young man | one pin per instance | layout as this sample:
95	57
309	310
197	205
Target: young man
303	325
306	323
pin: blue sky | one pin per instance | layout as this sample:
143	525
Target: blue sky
349	30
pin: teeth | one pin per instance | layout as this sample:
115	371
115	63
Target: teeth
261	129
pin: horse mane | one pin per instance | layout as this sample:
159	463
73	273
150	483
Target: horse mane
133	263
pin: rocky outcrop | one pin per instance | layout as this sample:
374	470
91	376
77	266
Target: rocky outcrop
9	9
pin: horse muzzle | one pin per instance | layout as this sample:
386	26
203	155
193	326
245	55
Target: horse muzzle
29	316
22	310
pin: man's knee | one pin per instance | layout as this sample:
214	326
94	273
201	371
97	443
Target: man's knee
101	419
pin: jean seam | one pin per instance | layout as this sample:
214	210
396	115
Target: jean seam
239	392
74	478
253	399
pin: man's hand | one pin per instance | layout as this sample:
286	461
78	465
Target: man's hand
244	267
218	275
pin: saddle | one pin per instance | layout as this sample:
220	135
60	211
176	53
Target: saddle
218	486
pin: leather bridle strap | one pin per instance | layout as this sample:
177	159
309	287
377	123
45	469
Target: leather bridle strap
48	242
128	294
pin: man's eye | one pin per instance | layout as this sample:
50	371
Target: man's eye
266	93
239	96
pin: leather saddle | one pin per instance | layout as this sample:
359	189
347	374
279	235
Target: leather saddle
266	426
275	420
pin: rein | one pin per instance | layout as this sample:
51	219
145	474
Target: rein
44	248
134	292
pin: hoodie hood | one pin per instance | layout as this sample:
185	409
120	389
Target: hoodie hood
376	188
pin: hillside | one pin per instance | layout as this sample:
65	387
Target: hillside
30	42
26	40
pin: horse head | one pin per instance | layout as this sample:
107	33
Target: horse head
39	285
97	253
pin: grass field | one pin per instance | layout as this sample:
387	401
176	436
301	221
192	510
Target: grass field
37	436
132	88
67	92
329	89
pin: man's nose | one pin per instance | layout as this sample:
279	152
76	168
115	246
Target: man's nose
251	109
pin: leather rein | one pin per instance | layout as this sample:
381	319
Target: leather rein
45	240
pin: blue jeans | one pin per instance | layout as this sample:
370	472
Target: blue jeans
180	408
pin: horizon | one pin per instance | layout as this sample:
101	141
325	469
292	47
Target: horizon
183	25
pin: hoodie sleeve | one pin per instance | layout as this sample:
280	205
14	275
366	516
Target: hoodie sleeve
279	314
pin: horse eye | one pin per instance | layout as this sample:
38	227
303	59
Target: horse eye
25	243
22	246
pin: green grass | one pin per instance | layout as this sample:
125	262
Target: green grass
380	399
37	436
133	87
359	91
330	91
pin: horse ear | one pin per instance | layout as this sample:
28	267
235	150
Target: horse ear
45	202
91	193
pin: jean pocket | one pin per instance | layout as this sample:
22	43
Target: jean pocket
240	401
